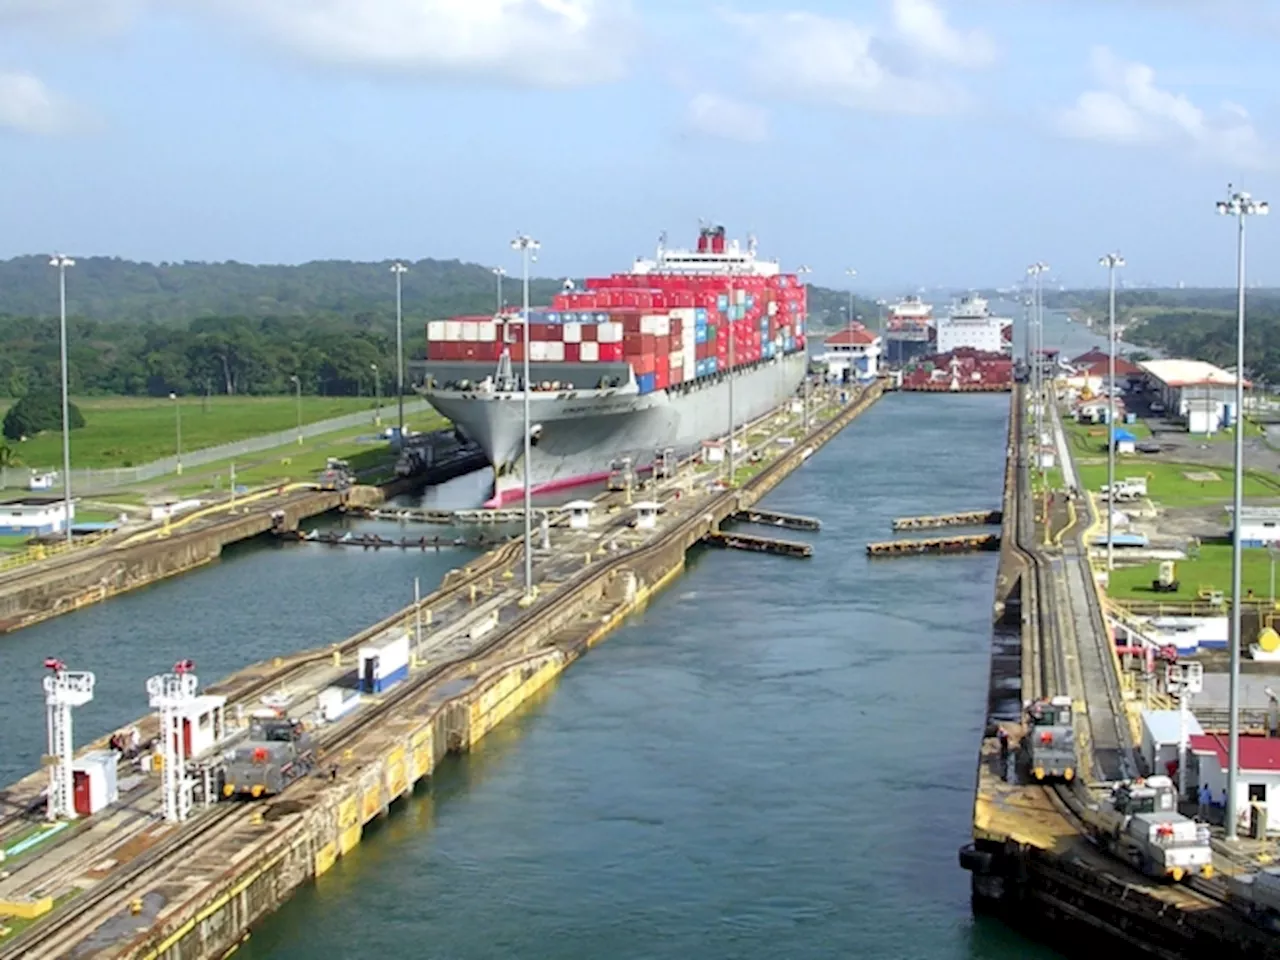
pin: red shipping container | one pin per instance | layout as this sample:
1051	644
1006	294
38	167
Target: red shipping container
589	331
611	353
639	343
517	351
571	353
676	375
661	378
642	364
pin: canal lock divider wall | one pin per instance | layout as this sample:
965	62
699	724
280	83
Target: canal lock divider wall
450	714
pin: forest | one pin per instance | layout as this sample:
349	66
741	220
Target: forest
239	329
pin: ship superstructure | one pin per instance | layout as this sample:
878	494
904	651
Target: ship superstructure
908	330
972	326
633	365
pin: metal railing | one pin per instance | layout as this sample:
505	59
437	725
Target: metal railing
88	482
38	552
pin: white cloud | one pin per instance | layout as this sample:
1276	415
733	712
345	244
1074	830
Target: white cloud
712	115
70	15
807	56
1130	108
549	43
28	106
922	25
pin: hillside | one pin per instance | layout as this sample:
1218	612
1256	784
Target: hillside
236	329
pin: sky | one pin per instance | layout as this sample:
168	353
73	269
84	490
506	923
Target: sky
918	142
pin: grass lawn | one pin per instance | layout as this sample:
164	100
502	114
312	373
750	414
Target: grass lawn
128	431
1168	485
1211	569
302	462
13	542
1090	439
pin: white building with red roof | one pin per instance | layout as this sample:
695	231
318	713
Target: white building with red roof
1259	772
855	350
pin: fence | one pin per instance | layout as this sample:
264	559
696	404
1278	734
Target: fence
88	482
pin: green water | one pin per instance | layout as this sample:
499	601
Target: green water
775	760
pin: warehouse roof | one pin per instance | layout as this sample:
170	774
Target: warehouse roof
855	334
1184	373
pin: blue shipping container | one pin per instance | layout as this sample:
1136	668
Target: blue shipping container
751	301
722	302
700	315
712	364
646	382
700	335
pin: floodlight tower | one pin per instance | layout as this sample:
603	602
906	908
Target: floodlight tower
171	694
63	691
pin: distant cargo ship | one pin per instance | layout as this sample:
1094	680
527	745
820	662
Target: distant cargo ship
908	330
633	365
972	326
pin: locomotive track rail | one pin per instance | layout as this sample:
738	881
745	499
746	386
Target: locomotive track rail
1108	736
74	922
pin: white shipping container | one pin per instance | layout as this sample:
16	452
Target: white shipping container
688	314
610	332
435	330
453	330
773	307
740	296
589	352
555	351
470	331
677	358
690	366
573	333
662	326
538	351
487	331
649	324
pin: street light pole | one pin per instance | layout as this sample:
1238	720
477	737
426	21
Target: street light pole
528	248
499	273
297	392
61	262
1037	309
377	396
177	415
399	269
1239	205
1111	261
852	273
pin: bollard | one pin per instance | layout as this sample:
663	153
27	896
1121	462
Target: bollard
472	592
337	658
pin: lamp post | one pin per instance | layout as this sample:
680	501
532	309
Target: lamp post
1239	205
499	273
852	273
377	396
61	262
1111	261
1273	550
297	394
802	271
1036	270
177	416
399	269
528	248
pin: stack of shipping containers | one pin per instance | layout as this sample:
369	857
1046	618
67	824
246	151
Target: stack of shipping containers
671	329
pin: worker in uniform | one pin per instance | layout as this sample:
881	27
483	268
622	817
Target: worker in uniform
1003	736
1206	801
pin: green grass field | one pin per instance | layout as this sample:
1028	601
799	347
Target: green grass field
1168	485
1211	569
1090	440
128	431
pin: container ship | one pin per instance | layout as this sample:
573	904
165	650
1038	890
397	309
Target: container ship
972	325
908	330
633	366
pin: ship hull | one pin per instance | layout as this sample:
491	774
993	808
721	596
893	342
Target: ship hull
579	434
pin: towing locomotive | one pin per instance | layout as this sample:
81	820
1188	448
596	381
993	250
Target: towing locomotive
276	752
1049	745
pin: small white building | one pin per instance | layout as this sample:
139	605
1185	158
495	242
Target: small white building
203	722
1259	526
35	516
646	514
852	353
1161	731
1259	773
94	784
580	514
1180	382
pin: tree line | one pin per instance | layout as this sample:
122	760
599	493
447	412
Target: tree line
231	328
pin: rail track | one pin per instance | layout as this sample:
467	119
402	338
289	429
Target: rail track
1109	740
59	931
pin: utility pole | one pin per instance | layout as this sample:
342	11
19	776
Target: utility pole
528	248
1111	261
1239	205
61	262
399	269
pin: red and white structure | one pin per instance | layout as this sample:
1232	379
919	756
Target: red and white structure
190	725
852	353
64	690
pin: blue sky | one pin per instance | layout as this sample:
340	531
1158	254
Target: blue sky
918	141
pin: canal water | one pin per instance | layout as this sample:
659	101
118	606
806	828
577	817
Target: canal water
775	759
